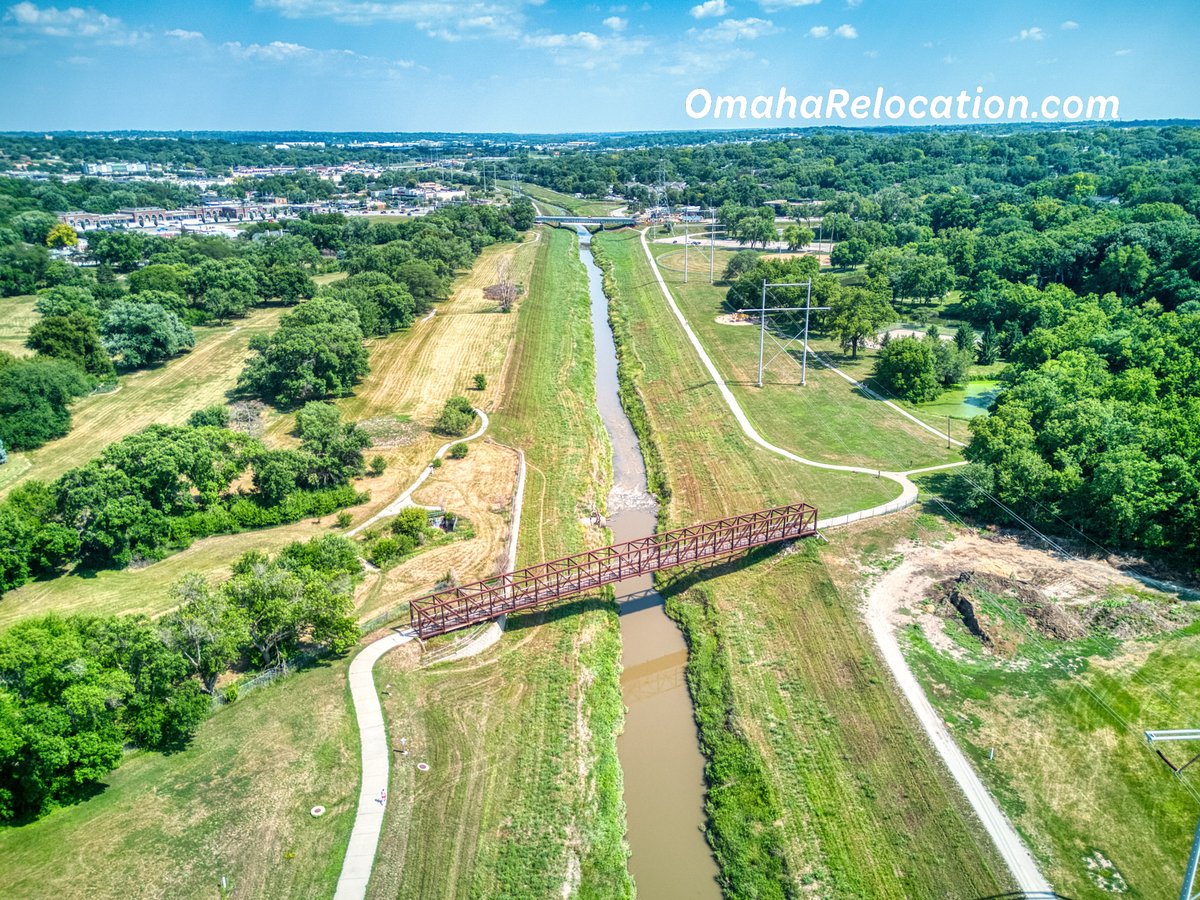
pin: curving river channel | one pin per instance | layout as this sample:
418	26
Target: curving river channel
659	749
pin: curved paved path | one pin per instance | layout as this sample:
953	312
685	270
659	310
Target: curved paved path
372	730
1009	844
405	499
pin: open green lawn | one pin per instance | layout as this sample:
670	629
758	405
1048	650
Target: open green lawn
565	204
235	803
828	419
523	794
17	316
861	802
1071	768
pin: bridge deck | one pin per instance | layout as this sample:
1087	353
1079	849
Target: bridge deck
545	583
586	220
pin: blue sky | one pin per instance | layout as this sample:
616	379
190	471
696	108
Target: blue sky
552	65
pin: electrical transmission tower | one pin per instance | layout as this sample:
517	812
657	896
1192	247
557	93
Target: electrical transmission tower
807	309
1188	891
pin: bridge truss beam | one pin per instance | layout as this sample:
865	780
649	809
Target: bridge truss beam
548	582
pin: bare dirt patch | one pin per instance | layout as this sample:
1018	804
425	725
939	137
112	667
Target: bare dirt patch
1064	599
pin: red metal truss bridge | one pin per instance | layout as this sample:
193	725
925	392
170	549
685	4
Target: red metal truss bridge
549	582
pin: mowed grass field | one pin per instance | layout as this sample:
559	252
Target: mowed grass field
828	419
566	204
235	803
522	796
17	316
167	394
865	808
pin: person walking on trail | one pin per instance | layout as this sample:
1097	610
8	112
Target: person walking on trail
383	796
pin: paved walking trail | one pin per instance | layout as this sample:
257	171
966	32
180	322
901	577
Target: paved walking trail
1013	850
372	730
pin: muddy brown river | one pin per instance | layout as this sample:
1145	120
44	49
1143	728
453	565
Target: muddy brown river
659	750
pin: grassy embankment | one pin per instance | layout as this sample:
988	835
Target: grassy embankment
566	204
523	794
814	759
1071	768
835	421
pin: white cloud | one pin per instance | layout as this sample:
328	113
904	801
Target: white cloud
870	54
555	41
776	5
445	19
71	22
1069	25
586	50
691	63
709	9
729	30
288	52
949	60
853	3
846	31
819	31
1124	52
616	23
1029	34
184	35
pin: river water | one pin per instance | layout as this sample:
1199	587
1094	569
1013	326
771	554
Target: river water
659	749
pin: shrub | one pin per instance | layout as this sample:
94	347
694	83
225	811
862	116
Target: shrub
436	464
216	415
480	382
343	520
459	451
378	464
412	522
456	418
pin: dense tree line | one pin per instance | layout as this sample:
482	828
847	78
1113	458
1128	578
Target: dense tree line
161	488
75	692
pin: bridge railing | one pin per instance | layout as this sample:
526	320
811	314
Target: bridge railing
544	583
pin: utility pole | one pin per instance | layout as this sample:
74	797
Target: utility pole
685	253
1187	891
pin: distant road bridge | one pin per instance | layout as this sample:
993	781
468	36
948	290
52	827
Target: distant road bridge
602	221
549	582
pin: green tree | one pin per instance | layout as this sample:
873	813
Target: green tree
73	338
205	629
851	252
34	396
857	314
141	334
316	352
216	416
989	346
964	338
739	264
907	368
796	237
456	418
